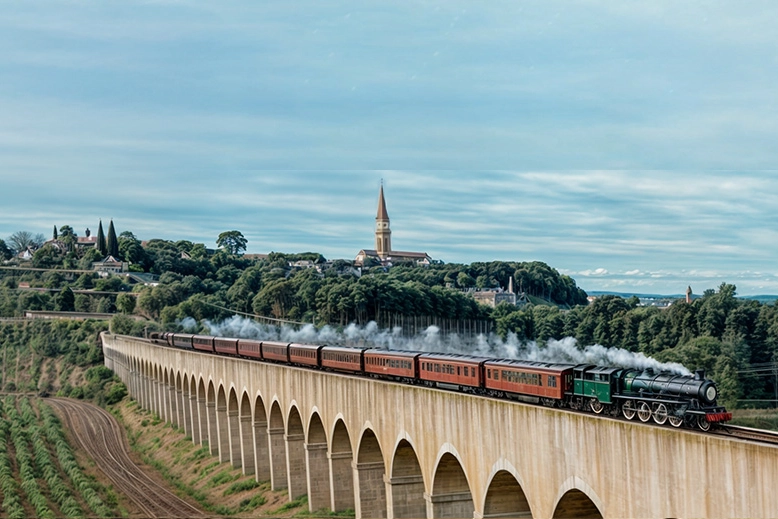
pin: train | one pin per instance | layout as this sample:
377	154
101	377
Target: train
645	395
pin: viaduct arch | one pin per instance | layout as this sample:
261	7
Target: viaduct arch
393	451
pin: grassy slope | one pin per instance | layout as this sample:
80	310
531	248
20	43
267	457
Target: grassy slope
217	487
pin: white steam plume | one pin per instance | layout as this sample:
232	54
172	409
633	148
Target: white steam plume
431	340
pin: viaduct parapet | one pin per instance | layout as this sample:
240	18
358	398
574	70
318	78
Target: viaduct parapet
389	450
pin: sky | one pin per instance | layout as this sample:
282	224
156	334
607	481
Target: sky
629	145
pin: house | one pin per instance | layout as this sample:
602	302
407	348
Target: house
110	265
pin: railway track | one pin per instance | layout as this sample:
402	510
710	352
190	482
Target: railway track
100	435
747	433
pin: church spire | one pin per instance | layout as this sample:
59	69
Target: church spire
383	234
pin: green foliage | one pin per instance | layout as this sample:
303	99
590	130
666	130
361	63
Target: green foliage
116	393
66	300
297	503
250	504
112	242
241	486
5	251
125	303
232	241
225	476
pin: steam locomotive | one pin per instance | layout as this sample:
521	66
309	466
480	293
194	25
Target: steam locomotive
661	397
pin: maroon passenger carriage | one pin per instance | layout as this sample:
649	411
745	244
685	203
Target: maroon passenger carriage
226	346
275	351
392	363
203	343
305	354
250	348
182	340
529	381
338	358
462	372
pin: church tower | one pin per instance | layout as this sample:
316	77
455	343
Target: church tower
383	234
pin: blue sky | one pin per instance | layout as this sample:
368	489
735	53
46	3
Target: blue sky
630	145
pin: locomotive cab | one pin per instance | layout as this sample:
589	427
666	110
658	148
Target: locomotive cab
594	386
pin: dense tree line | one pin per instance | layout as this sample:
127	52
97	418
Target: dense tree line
717	332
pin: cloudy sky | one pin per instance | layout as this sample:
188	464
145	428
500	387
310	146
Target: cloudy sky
630	145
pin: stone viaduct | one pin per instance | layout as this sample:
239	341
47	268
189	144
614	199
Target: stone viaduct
396	451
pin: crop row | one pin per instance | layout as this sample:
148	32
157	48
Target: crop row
12	502
55	436
38	473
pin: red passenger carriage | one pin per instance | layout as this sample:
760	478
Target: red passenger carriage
275	351
183	340
250	348
451	370
224	345
342	359
203	343
536	379
391	364
305	354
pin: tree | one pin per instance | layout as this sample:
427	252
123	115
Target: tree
125	303
232	241
54	236
46	257
66	300
101	245
111	242
67	236
20	241
131	250
5	252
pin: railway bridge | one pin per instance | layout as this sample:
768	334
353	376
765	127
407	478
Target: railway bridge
396	451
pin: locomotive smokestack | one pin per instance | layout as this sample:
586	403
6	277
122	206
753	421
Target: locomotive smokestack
699	374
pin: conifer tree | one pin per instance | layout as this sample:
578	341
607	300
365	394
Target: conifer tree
101	245
55	233
112	243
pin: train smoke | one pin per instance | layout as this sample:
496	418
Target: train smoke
565	351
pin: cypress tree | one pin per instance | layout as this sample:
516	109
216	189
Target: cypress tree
101	245
55	232
112	243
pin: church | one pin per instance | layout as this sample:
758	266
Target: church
383	253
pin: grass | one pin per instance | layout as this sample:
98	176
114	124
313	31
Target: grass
241	486
291	505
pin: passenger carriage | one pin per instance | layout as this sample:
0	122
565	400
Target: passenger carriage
250	348
529	381
226	346
392	363
339	358
203	343
275	351
451	371
305	354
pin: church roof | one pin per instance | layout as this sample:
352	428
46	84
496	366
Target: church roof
382	214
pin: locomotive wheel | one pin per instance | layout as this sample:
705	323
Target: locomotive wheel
675	421
596	405
628	409
660	414
703	424
644	412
